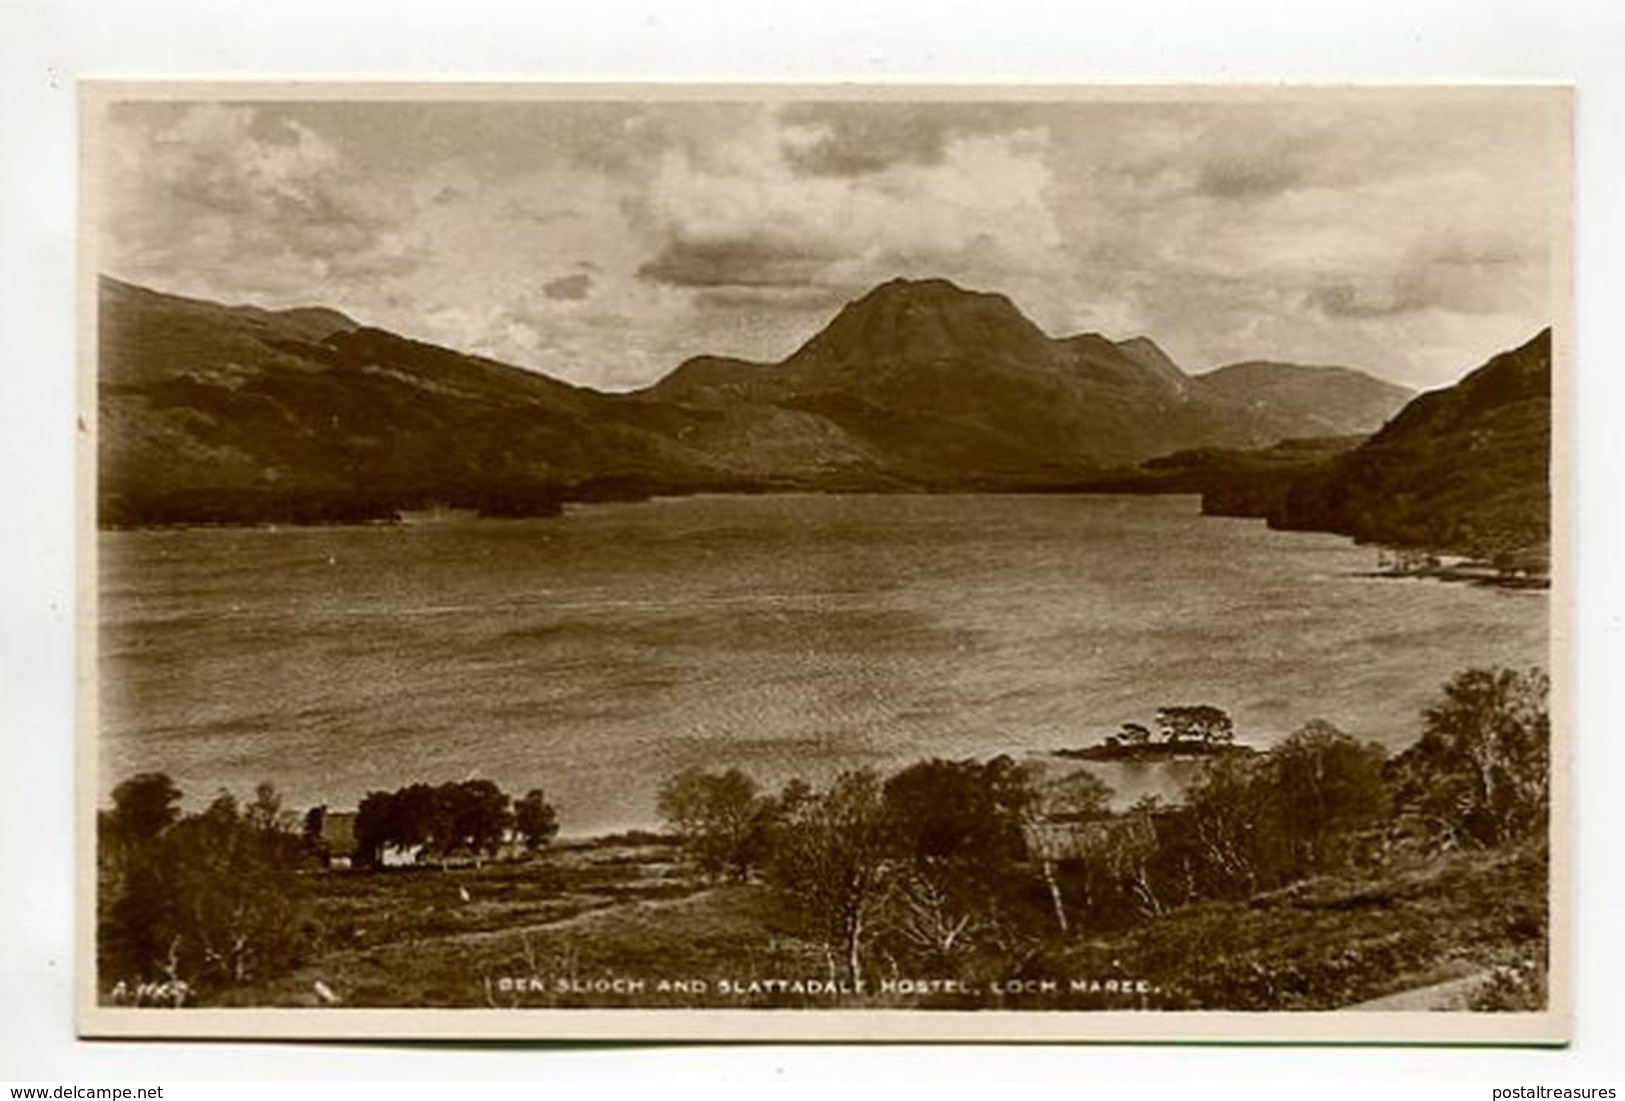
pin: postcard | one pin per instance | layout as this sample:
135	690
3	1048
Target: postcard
866	562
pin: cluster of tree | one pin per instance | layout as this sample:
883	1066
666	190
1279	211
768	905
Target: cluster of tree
197	901
1195	729
469	816
1320	799
926	865
964	864
1190	724
1246	824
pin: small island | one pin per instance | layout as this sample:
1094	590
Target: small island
1183	731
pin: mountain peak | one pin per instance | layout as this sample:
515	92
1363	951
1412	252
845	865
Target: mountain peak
1142	349
929	287
1156	362
925	320
932	292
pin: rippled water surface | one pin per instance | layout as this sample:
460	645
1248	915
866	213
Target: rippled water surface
594	653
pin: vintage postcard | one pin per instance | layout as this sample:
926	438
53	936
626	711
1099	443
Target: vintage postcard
825	562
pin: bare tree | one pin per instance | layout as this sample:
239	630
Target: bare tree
832	859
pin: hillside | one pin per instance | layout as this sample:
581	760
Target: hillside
634	907
235	414
1462	469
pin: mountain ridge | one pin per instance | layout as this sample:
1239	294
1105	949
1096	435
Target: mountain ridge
917	385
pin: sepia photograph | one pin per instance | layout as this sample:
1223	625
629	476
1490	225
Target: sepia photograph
983	562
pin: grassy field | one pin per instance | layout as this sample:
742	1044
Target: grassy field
581	915
1340	940
629	924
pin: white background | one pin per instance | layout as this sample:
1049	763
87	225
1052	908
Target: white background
48	44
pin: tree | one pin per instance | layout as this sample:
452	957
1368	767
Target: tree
955	828
959	811
535	819
1201	723
1222	815
421	816
1322	785
211	900
471	815
314	826
234	896
1077	795
1130	846
832	860
143	807
476	816
265	811
377	825
1482	766
720	817
1074	798
1135	734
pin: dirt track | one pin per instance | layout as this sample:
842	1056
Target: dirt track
1451	996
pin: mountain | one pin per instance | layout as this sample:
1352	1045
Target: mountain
942	383
1318	401
1464	469
211	412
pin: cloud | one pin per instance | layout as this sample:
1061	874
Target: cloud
528	210
847	139
1396	233
748	216
1350	298
795	299
1452	272
248	200
1232	152
1248	177
568	288
740	260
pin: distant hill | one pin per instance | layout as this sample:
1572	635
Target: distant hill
238	414
1315	401
1463	469
940	382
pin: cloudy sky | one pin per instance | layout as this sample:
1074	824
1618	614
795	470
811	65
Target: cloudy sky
604	242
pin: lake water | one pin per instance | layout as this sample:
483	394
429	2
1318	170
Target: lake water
595	653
